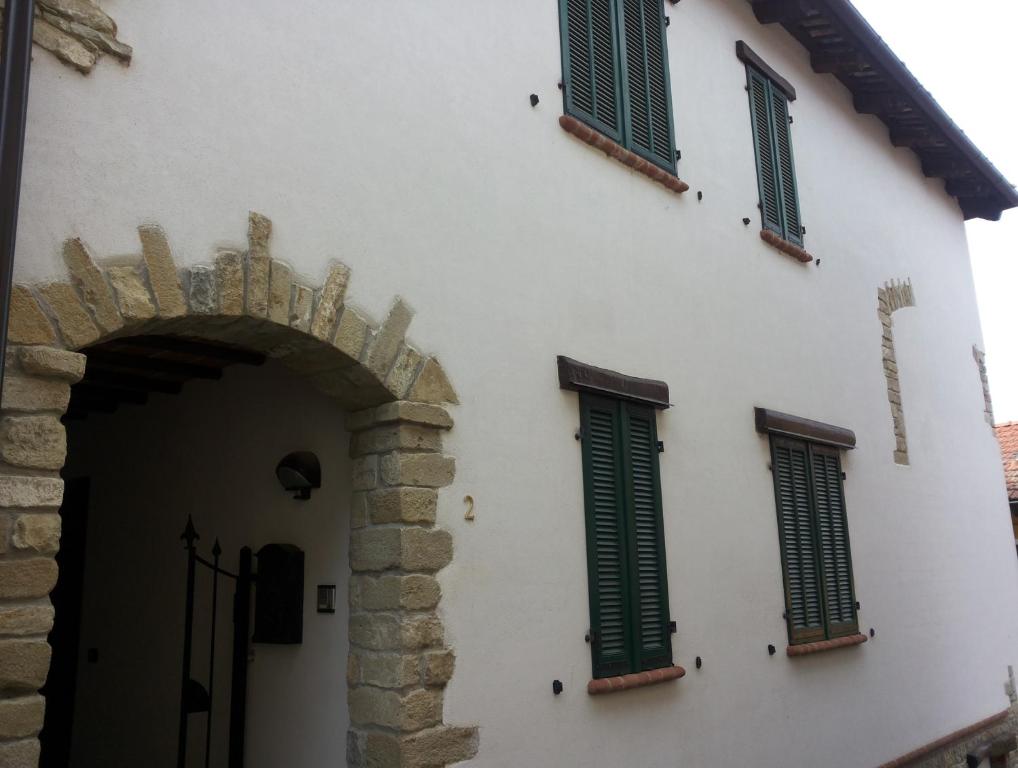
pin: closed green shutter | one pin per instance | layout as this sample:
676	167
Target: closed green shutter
647	546
832	524
763	142
590	63
789	194
803	599
607	558
645	73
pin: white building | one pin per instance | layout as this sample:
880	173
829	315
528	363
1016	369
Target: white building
776	352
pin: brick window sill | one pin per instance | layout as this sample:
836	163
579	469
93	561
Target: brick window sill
588	135
635	680
791	249
825	645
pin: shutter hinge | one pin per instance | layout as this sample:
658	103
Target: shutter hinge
672	629
678	155
660	446
668	21
784	615
791	119
578	434
858	606
844	476
803	228
590	637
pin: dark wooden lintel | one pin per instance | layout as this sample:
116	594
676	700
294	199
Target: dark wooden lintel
748	56
581	377
775	422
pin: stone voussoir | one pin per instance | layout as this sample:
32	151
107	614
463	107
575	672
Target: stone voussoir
92	285
386	343
162	271
329	303
72	319
27	322
133	297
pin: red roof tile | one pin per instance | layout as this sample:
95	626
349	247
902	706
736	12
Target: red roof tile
1007	436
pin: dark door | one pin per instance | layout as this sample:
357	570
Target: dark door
63	673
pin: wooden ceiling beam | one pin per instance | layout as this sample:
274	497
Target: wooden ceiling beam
177	345
91	392
881	103
780	11
137	365
100	377
915	137
947	167
838	63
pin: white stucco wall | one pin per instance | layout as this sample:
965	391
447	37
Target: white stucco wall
401	140
210	452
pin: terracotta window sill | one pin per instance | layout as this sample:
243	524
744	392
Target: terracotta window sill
631	159
825	645
635	680
784	246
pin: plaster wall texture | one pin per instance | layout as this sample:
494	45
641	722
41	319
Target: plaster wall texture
402	141
210	452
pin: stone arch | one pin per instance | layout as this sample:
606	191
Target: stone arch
398	663
891	297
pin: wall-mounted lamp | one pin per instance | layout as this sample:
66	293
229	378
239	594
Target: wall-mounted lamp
326	598
300	471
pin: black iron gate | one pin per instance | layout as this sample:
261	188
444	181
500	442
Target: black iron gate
194	697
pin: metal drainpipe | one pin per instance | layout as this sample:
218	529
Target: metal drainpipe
15	64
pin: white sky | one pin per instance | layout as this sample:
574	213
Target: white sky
964	54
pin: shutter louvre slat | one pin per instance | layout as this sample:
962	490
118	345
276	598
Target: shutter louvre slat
832	525
760	115
786	167
590	64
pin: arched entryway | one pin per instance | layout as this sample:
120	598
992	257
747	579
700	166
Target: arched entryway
398	664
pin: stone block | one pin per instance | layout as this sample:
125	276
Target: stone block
135	301
201	294
404	371
420	708
390	437
375	631
162	272
438	747
230	282
89	280
280	290
37	442
21	717
34	577
364	473
385	346
400	411
358	509
439	667
83	12
330	301
30	492
351	333
418	592
24	753
432	385
425	549
303	304
376	706
24	664
34	619
421	632
374	593
27	322
50	362
73	321
23	393
382	750
389	670
900	457
403	505
375	549
37	532
6	522
430	470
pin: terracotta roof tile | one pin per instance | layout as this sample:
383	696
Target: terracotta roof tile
1007	436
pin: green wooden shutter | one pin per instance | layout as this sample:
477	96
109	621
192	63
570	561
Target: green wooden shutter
607	558
803	596
763	143
835	557
646	545
590	64
645	74
789	195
